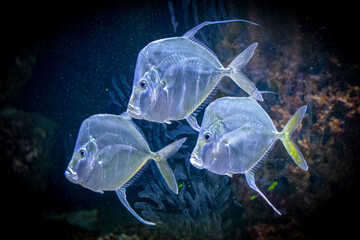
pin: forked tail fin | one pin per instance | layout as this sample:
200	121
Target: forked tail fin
288	142
235	73
161	162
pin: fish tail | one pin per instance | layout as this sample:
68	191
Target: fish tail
161	162
235	73
288	142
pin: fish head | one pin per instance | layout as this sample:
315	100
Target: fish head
208	149
83	159
144	94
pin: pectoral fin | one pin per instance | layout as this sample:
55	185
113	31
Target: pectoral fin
193	123
121	193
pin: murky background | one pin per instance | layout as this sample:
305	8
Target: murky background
66	61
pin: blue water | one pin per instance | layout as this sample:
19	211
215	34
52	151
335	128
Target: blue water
82	63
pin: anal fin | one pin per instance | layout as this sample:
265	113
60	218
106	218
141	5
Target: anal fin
121	193
251	181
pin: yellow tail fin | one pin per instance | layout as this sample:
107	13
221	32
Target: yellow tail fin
289	144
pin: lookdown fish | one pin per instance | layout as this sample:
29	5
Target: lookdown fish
237	135
173	77
109	152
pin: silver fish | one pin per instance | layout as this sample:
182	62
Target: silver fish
237	135
110	150
173	76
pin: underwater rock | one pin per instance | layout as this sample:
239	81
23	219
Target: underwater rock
26	141
290	230
84	219
123	236
18	74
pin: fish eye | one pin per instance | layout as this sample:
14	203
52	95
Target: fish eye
143	84
207	137
163	84
82	153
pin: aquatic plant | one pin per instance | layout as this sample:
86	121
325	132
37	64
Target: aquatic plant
122	88
199	209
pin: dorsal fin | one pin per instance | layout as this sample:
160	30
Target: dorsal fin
193	40
127	117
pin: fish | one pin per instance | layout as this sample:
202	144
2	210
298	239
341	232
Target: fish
111	151
174	76
237	135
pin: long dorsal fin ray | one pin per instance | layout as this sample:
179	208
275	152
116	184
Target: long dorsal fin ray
191	33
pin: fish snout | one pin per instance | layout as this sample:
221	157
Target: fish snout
134	112
196	162
71	175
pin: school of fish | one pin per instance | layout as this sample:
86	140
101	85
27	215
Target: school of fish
174	78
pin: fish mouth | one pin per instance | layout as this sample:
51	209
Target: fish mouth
134	112
196	162
71	175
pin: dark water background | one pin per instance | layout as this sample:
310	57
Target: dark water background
65	61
